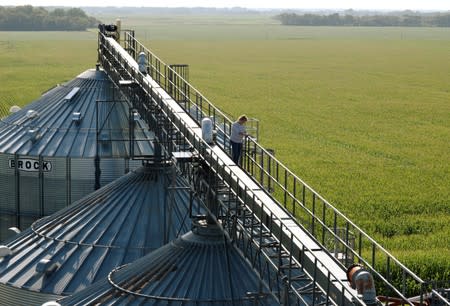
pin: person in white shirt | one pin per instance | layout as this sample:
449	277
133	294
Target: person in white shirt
238	133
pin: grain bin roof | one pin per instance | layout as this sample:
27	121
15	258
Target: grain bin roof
200	268
63	122
117	224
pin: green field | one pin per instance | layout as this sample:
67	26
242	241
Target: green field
361	114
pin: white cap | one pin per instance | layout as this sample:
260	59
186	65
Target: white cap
51	303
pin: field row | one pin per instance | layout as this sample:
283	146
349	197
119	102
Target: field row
361	114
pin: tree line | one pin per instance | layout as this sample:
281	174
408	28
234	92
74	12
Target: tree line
29	18
403	20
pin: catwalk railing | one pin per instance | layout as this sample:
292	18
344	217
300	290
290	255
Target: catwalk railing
174	133
333	230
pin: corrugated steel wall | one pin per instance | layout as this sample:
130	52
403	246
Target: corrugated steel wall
70	147
27	196
81	179
7	185
55	186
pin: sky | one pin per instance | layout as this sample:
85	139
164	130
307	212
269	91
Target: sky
299	4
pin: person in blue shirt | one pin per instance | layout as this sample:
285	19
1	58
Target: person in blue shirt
238	132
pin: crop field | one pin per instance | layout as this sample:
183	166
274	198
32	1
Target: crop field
33	62
361	114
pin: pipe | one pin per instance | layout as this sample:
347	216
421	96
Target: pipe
362	281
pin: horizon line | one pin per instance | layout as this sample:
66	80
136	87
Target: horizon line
241	7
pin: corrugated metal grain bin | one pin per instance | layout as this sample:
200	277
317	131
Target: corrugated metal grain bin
79	245
200	268
48	149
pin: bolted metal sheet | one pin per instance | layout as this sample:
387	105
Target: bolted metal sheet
15	296
58	135
82	177
7	185
61	157
55	186
111	169
29	193
200	268
34	195
115	225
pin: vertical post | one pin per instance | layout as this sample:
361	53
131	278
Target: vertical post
285	187
170	78
388	274
131	131
421	293
313	217
166	195
41	187
347	243
359	246
373	255
97	172
269	168
323	222
173	184
17	177
314	282
261	168
285	293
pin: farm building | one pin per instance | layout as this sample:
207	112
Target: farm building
48	150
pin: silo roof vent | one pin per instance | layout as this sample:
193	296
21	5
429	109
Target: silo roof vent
33	133
76	117
31	114
51	303
71	94
46	266
14	109
5	251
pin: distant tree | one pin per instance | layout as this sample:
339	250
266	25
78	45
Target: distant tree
29	18
412	21
405	18
349	20
443	20
76	12
58	13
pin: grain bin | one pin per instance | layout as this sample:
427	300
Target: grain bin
48	149
70	250
200	268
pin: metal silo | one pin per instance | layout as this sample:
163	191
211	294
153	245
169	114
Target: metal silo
72	140
79	245
200	268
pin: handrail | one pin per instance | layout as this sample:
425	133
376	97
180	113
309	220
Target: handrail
207	154
319	197
285	190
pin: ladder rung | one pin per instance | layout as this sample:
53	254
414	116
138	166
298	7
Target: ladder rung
285	255
288	266
270	244
299	278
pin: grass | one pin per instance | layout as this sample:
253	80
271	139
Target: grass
31	63
361	114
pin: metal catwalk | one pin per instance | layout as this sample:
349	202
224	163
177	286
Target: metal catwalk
299	243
